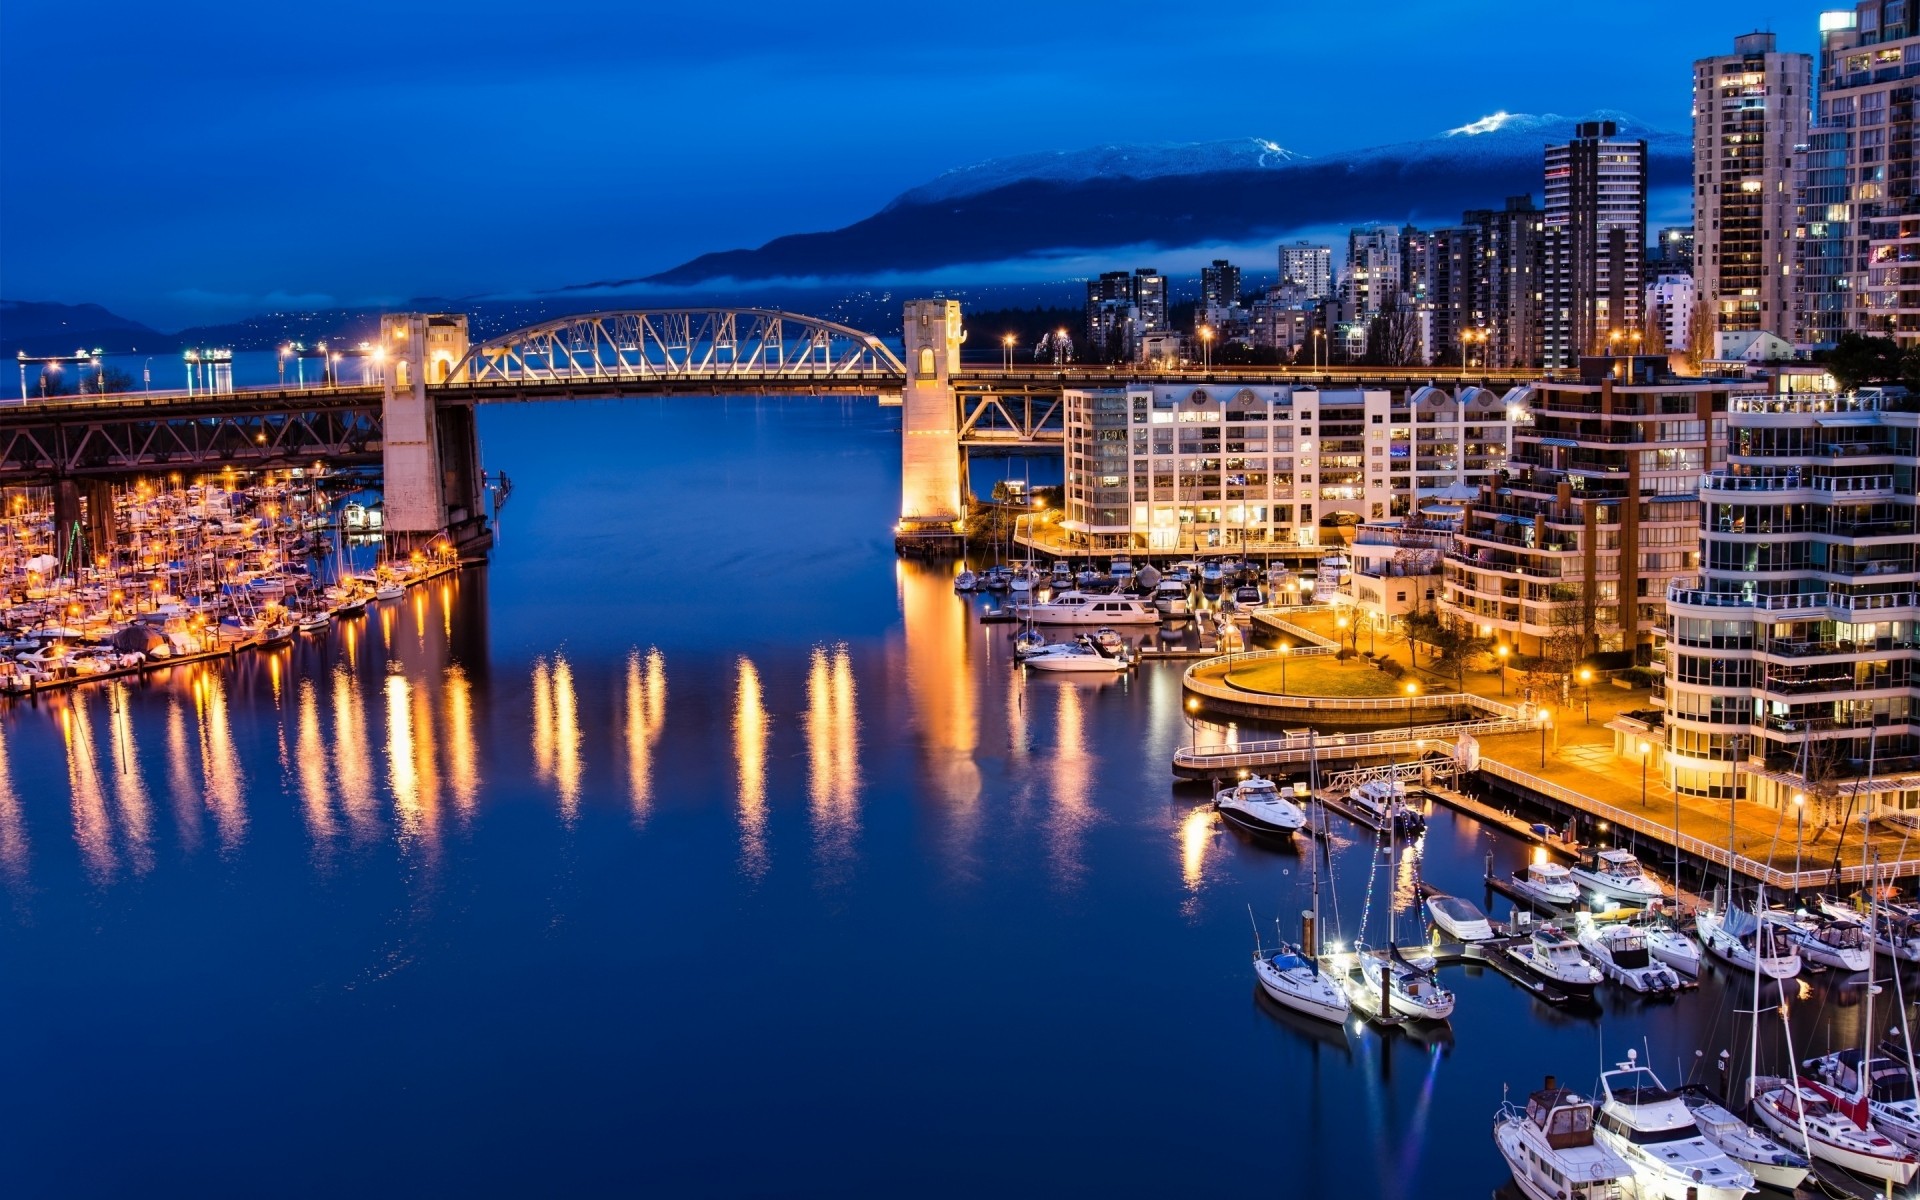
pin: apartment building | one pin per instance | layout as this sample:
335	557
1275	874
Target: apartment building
1597	511
1593	242
1791	659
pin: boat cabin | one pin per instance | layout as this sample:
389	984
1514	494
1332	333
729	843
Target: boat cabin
1564	1117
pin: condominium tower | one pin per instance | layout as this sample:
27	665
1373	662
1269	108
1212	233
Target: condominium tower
1596	223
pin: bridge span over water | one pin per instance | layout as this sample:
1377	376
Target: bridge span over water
417	424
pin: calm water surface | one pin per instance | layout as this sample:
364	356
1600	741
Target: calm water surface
698	847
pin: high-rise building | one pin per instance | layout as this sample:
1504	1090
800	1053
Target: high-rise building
1596	226
1670	311
1750	112
1122	309
1669	252
1306	270
1219	285
1791	662
1506	281
1860	199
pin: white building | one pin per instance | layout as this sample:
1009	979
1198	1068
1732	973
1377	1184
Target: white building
1670	305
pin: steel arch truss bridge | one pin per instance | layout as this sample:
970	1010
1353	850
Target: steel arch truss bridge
993	416
696	344
77	440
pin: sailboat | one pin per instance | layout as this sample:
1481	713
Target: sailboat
1291	975
1402	988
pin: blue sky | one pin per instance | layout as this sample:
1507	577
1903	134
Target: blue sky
194	161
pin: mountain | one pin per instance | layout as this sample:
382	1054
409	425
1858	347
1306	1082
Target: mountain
1176	195
43	327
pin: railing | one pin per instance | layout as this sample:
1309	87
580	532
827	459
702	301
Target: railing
1302	748
1193	683
1311	643
1843	485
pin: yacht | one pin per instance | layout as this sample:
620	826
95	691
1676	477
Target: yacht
1736	937
1121	568
1028	642
1891	1106
1062	576
1379	801
1080	608
1245	600
1551	1150
1025	581
1835	942
1295	980
1170	597
998	578
1656	1133
1460	918
1257	806
1896	931
1546	884
965	581
1766	1160
1211	574
1081	655
1837	1128
1412	990
389	590
1620	951
1556	958
1618	875
1334	571
1670	944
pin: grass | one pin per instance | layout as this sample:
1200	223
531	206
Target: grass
1317	676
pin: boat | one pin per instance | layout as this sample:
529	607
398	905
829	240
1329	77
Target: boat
1078	656
966	581
1551	1149
1245	600
1770	1163
1120	567
1837	1128
313	622
1027	641
1546	884
1295	980
1383	801
1024	581
1620	952
1460	918
1669	943
1170	597
1618	875
998	578
1653	1130
1835	942
1062	576
389	591
1211	574
1412	990
1556	958
1334	571
1080	608
1737	938
1257	806
1896	929
1888	1086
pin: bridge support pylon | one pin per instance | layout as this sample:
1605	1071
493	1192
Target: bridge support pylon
430	456
932	515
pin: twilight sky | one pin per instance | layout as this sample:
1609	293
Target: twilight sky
197	161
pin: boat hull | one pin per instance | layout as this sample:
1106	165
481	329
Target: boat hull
1326	1003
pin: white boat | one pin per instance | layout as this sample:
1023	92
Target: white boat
1460	918
965	581
1027	642
1556	958
1245	600
1170	597
389	591
1546	884
1736	938
1670	944
1295	980
1257	806
1379	801
1062	577
1080	656
1211	574
1121	568
1840	943
1891	1105
1081	608
313	622
1025	580
1620	951
1766	1160
1334	571
1896	932
1618	875
1837	1129
1652	1129
1412	990
1551	1149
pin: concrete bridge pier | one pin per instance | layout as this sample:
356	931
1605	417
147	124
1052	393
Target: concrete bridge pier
430	457
932	516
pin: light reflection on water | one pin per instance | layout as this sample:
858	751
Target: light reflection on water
646	715
833	732
750	722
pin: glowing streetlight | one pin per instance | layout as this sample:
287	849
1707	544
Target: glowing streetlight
1206	347
1413	689
1007	344
1546	722
1586	681
1500	652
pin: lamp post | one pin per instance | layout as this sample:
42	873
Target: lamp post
1340	623
1645	747
1285	653
1007	343
1318	336
146	375
1546	719
1586	681
1799	829
1193	731
1500	652
1206	348
284	353
1413	689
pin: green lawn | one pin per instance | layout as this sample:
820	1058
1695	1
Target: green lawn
1316	676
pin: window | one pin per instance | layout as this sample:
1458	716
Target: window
926	362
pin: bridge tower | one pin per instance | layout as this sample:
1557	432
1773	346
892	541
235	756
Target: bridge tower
931	512
430	456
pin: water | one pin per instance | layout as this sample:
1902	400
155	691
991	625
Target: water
697	846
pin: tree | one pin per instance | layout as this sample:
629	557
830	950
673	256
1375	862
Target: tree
1857	360
1393	337
1564	645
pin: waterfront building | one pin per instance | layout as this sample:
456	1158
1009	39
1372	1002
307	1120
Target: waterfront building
1306	272
1597	512
1791	664
1396	572
1177	467
1219	285
1750	110
1670	308
1595	226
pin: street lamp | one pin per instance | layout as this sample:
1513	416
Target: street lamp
1206	348
1645	747
1285	654
1500	652
1546	719
1413	689
1318	336
1007	342
1586	680
1193	706
1340	623
1799	828
284	353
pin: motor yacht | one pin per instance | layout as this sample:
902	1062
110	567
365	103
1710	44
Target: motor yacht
1896	931
1618	875
1460	918
1766	1160
1334	571
1295	980
1412	990
1062	576
1245	600
1379	801
1651	1128
1080	608
1027	642
1838	1129
965	581
1546	884
1737	938
1620	951
1891	1105
1082	655
1211	574
1556	958
1170	597
1120	567
1551	1149
1669	943
1837	942
1257	806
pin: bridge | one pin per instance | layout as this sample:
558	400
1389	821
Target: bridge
417	424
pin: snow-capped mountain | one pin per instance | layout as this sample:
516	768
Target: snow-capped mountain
1178	195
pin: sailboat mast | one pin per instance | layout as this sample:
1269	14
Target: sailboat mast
1753	1042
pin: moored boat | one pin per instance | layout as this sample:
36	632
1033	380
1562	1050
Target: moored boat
1652	1129
1460	918
1620	952
1553	956
1257	806
1766	1160
1383	801
1837	1129
1551	1149
1546	884
1737	938
1295	980
1618	875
